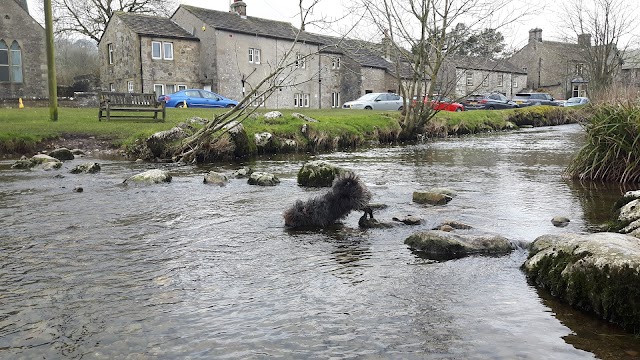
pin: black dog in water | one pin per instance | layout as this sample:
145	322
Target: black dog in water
347	193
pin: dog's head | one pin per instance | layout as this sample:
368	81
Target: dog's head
348	186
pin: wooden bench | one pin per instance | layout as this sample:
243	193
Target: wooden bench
133	104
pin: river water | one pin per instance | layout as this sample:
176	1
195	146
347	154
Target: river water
187	270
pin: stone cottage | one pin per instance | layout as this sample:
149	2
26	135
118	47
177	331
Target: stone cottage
238	51
230	53
473	75
142	53
23	60
558	68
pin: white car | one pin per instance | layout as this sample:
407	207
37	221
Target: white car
376	101
575	101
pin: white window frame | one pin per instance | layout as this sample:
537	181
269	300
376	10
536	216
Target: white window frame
500	81
166	88
306	100
301	61
112	87
110	53
254	56
161	87
159	45
297	100
130	86
335	63
514	83
580	69
485	81
258	100
167	46
469	75
181	87
335	99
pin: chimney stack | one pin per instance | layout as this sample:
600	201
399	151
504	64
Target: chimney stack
584	39
238	7
535	35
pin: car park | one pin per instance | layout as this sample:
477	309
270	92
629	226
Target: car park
441	103
197	98
576	101
494	101
376	101
534	98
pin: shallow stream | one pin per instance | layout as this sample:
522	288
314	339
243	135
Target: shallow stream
187	270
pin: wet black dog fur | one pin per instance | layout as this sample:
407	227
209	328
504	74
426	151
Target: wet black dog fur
347	193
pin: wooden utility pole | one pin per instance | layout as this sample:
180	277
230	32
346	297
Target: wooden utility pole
51	64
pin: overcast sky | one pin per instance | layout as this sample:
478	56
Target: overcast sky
286	10
546	16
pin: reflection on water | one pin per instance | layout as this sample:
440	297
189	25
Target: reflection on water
186	270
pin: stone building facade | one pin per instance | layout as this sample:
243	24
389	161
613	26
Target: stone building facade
230	53
140	53
558	68
238	51
481	76
23	59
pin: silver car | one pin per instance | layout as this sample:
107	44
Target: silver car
376	101
576	101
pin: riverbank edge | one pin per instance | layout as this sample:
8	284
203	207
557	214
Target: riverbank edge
325	136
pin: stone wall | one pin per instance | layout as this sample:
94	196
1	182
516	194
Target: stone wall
132	61
16	24
485	81
550	66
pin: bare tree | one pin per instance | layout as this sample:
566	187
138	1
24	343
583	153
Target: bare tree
428	28
75	57
90	17
606	29
281	74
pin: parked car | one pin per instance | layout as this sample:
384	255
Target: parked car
534	98
197	98
376	101
576	101
495	101
441	103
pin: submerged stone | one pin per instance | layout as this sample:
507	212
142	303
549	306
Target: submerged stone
62	154
86	168
263	179
154	176
447	245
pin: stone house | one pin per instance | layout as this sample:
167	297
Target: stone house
558	68
630	69
465	75
23	59
238	51
142	53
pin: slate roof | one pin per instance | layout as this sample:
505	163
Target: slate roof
154	26
365	53
247	24
23	4
477	63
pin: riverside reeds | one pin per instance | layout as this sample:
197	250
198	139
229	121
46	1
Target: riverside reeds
612	149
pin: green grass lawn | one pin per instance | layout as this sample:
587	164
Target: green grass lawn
22	129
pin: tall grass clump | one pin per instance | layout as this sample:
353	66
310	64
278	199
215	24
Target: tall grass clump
612	149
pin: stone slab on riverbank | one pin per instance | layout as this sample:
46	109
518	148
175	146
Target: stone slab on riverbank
598	273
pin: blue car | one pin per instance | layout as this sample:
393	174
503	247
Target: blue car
197	98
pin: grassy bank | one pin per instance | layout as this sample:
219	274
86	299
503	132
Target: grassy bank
612	149
21	130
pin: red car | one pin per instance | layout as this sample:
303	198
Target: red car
442	103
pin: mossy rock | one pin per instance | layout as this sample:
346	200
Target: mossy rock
597	273
318	174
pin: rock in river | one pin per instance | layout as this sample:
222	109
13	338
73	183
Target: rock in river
445	245
598	273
